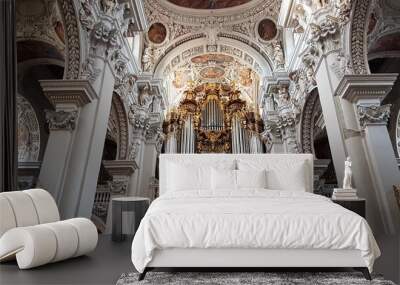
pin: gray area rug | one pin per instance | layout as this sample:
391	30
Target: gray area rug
243	278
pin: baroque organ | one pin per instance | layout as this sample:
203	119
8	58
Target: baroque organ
213	118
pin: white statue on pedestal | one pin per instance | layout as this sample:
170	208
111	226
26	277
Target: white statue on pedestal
348	173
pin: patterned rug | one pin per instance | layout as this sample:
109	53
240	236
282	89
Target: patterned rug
244	278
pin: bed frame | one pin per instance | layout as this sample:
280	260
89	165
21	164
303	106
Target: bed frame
246	259
260	259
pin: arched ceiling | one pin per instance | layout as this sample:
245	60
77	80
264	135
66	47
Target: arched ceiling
195	42
208	4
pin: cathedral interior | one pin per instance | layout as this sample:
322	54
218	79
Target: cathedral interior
105	86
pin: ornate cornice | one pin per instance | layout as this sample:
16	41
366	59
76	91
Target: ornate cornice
373	114
77	92
120	167
61	120
360	87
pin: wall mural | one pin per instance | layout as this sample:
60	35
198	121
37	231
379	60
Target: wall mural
267	29
208	4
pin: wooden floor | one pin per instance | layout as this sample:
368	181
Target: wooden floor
103	266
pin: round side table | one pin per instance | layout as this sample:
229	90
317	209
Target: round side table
137	205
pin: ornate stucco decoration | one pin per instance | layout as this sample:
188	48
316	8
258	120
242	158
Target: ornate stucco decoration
28	131
73	54
358	45
105	23
182	26
45	25
133	149
326	34
373	114
118	125
61	120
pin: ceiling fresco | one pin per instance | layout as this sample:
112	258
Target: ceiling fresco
212	68
157	33
208	4
210	58
267	29
212	72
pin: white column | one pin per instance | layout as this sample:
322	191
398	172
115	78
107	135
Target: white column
369	145
327	83
73	100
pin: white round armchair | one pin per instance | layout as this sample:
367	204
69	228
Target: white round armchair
31	230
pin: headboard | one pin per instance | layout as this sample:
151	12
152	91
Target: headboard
210	159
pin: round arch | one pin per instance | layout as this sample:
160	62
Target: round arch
118	126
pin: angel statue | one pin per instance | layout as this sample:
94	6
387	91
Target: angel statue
348	173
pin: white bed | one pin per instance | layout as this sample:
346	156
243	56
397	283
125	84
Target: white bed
198	223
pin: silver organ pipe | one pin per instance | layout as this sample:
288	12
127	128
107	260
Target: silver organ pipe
240	137
212	116
187	136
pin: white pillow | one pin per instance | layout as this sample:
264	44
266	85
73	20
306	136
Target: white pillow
183	178
251	178
223	179
291	179
282	174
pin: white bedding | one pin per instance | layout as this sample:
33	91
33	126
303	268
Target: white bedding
252	218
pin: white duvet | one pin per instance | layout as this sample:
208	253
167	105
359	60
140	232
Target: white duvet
253	218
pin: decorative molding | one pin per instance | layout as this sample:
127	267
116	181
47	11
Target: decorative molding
120	167
28	131
44	23
363	87
373	114
73	55
61	120
358	44
350	133
307	123
118	125
77	92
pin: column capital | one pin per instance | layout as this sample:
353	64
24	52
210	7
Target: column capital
71	92
373	114
371	88
61	120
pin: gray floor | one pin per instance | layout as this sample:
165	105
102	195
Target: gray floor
103	266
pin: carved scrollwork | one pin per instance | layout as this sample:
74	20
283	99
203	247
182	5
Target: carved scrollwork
61	120
118	187
358	37
28	131
373	115
72	39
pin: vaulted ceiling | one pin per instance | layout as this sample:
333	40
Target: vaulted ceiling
193	42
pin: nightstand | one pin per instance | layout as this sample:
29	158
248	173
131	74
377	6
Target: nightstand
138	205
355	205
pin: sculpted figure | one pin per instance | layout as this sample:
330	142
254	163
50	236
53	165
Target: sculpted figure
146	97
348	173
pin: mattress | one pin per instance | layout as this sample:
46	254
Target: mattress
250	219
